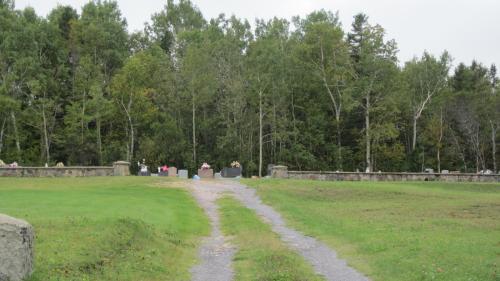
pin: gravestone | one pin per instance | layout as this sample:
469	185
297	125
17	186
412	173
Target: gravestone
231	172
16	249
206	173
172	172
183	174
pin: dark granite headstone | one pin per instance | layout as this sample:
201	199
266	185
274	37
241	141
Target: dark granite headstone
231	172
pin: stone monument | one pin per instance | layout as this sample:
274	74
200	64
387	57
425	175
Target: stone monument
16	249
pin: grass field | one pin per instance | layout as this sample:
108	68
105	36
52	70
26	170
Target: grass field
107	228
398	231
261	254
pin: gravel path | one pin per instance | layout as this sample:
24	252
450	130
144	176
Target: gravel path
323	259
216	253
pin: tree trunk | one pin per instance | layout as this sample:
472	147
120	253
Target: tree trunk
82	121
260	133
274	134
16	134
414	139
439	159
339	142
2	131
422	167
494	146
440	140
45	136
132	140
367	132
99	141
477	163
130	150
194	132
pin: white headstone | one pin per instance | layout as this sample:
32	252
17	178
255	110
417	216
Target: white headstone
183	174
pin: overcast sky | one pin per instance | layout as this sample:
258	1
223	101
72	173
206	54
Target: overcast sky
468	29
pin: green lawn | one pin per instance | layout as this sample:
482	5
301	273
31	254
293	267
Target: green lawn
261	254
107	228
398	231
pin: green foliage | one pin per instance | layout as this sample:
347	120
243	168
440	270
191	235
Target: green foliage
77	88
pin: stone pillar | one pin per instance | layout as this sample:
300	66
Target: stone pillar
121	168
16	249
280	172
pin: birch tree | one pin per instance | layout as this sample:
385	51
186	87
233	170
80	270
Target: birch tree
425	78
328	57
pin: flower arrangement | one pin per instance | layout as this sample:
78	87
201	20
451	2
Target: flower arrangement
205	166
235	164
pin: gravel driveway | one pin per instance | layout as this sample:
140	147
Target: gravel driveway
216	254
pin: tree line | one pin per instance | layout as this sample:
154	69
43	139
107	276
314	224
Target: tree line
79	89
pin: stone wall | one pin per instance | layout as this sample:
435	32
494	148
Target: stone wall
118	169
352	176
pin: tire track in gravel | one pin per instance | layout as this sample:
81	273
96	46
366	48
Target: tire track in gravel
323	259
216	253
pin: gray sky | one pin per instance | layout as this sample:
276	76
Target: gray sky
468	29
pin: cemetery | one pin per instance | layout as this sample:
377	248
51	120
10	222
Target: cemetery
198	140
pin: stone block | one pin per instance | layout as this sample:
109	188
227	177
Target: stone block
16	249
280	172
121	168
206	173
172	172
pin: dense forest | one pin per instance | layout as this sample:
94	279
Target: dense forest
308	93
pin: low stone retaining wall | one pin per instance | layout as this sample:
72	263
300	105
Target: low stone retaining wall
119	168
352	176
